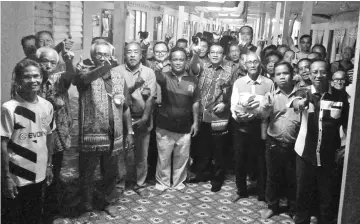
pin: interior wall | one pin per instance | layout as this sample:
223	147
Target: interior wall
17	21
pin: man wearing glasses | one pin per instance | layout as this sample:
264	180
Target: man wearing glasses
141	82
104	112
215	87
248	136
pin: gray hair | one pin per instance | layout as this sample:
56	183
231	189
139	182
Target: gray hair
101	42
43	50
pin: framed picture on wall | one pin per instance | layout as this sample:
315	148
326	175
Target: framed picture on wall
107	20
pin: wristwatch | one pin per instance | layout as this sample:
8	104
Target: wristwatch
131	133
50	166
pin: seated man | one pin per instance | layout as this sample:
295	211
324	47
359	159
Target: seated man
27	123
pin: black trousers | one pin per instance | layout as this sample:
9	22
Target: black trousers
26	207
52	192
311	178
281	168
248	146
106	192
208	146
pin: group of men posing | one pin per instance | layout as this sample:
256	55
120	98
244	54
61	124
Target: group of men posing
284	125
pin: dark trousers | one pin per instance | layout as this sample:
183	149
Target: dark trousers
208	146
311	178
52	192
26	207
106	192
281	168
248	146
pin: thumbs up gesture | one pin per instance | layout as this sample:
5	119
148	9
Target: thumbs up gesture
68	43
80	64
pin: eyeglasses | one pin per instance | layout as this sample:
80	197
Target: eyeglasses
339	80
160	52
46	62
216	53
100	55
248	63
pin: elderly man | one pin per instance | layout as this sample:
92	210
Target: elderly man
141	82
248	129
104	111
215	87
176	122
55	88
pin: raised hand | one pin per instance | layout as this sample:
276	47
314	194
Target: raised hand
80	64
68	43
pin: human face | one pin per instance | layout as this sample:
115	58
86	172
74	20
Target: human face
271	60
305	44
246	35
102	53
45	40
48	61
252	64
338	80
320	51
233	35
304	70
234	53
29	47
31	79
178	62
203	48
289	56
150	52
216	55
318	74
160	52
282	50
133	55
347	54
283	76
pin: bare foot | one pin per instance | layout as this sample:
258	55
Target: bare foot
265	214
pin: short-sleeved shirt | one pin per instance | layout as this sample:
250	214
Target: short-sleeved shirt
147	74
284	122
178	96
260	86
26	125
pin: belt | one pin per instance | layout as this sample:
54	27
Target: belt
282	144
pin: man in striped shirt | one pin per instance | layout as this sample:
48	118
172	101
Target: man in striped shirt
324	110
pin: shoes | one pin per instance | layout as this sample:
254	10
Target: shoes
157	192
267	214
216	187
143	193
111	210
182	190
238	196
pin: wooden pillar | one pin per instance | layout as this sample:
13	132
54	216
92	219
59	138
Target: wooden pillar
119	29
202	23
262	26
181	22
286	17
306	17
257	30
269	34
277	23
350	193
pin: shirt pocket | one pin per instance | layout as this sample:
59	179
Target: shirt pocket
335	110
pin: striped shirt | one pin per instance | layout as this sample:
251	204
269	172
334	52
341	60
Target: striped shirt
319	135
27	125
179	95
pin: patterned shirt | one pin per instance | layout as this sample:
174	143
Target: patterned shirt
319	135
55	89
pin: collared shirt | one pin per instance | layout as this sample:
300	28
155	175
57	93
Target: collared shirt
137	105
215	88
178	96
284	122
260	86
55	89
319	135
166	68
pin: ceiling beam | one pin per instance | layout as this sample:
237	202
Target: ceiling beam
229	4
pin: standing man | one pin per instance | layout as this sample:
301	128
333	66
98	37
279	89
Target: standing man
27	123
104	111
303	78
234	62
141	82
247	129
305	41
323	111
270	60
282	132
176	122
215	86
246	38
